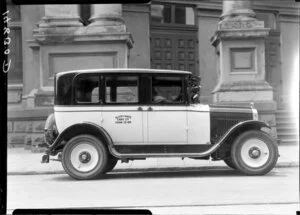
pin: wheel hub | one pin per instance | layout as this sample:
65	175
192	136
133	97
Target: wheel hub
254	152
84	157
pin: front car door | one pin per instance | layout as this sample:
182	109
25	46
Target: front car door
166	113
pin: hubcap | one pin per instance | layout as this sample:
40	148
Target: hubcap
84	157
255	153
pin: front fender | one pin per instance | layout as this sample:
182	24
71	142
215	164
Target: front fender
76	129
242	127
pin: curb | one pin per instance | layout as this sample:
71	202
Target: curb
155	169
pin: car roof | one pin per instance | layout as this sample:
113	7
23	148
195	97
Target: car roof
124	70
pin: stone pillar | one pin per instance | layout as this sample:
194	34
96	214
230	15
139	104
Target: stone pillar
237	7
58	19
108	15
61	42
240	46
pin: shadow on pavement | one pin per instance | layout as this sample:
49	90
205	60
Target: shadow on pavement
166	174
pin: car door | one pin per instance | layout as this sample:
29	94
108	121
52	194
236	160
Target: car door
166	112
122	113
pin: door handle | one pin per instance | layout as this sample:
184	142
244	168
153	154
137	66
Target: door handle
150	109
140	109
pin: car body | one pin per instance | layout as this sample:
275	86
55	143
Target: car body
105	115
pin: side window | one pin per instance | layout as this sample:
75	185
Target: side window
87	89
167	90
121	89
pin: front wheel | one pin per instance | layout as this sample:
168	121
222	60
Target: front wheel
254	153
84	157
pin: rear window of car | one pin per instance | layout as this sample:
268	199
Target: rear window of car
64	89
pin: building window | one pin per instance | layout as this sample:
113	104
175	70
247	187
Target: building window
85	13
270	19
172	14
161	13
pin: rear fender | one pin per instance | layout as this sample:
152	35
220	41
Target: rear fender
77	129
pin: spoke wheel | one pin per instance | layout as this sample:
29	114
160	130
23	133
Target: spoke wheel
254	153
84	157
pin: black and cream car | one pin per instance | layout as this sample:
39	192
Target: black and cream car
105	115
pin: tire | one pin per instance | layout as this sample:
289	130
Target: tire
84	157
229	163
112	162
254	153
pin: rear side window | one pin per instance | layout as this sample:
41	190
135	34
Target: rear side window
64	90
121	89
86	89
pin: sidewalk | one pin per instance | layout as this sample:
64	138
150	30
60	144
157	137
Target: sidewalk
24	162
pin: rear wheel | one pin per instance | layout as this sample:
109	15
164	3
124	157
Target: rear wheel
254	153
84	157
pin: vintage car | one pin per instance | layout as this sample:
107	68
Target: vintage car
105	115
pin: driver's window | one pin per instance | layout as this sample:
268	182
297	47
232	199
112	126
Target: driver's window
167	90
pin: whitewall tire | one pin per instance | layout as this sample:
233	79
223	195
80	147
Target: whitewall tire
254	153
84	157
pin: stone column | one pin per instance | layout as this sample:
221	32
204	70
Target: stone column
58	19
61	42
106	14
237	7
240	47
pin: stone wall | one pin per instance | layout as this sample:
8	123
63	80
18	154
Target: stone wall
26	131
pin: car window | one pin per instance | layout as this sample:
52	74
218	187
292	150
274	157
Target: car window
64	89
121	89
167	90
87	89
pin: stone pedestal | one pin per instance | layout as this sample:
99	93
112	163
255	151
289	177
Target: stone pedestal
61	42
240	47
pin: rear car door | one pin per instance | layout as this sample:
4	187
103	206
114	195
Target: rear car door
122	113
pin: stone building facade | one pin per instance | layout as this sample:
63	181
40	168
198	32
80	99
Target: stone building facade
244	51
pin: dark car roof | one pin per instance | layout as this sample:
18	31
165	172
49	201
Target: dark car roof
125	70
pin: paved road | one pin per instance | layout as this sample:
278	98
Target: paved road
225	191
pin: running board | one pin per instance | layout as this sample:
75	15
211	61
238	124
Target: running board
142	151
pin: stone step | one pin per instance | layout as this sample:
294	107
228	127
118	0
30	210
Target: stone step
286	114
287	120
288	136
289	142
287	129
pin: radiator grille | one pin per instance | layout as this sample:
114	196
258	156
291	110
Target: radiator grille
221	122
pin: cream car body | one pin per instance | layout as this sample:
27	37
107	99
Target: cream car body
105	115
